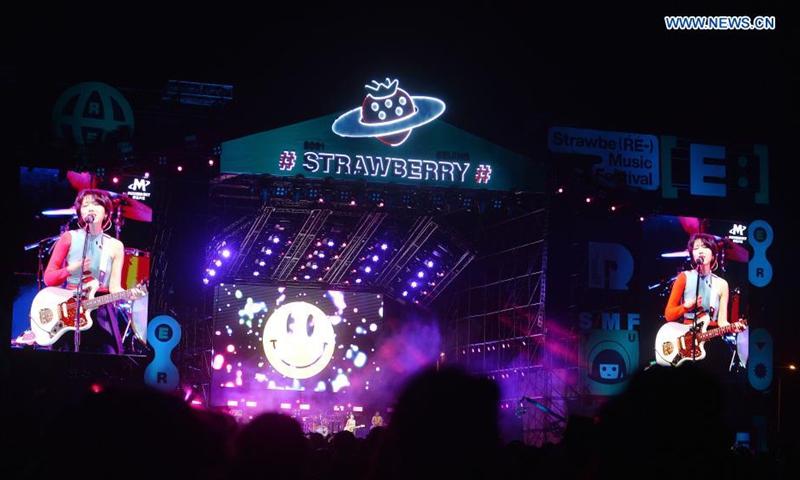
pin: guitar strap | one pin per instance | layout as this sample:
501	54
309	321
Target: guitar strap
114	318
105	261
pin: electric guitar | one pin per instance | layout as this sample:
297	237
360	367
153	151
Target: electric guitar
675	342
53	309
353	428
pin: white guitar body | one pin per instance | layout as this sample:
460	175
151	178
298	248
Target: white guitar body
677	343
53	310
53	313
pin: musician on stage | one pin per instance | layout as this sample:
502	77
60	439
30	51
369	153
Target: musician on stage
699	290
377	420
350	425
103	263
698	294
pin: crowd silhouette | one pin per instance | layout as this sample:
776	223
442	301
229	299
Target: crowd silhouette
667	424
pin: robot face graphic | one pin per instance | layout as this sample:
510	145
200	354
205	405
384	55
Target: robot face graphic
609	371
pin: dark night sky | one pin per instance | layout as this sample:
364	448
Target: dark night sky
506	73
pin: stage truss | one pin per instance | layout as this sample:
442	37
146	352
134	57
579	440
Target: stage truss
478	259
499	327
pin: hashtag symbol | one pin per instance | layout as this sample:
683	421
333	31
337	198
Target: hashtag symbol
286	162
483	173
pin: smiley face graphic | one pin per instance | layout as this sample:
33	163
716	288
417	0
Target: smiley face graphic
299	340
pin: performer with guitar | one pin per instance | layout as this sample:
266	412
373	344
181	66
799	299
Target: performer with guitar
99	266
350	425
699	300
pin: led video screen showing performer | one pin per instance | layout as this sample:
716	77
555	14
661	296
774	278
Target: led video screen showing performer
697	288
82	230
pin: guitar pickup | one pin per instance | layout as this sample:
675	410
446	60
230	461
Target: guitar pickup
45	316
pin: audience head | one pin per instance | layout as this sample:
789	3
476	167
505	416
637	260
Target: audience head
445	425
271	445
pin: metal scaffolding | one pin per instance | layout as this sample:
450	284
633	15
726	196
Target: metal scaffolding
497	325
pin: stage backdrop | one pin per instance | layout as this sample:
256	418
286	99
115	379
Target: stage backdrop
437	154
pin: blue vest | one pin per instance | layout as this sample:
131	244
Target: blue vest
100	268
708	290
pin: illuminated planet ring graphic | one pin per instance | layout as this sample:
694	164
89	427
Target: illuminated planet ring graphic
427	109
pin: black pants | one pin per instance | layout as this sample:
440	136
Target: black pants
102	337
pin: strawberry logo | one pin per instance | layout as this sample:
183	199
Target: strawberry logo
388	113
388	103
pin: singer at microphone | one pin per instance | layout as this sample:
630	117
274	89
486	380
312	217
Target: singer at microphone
85	257
699	290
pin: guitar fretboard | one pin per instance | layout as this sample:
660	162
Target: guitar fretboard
733	327
111	297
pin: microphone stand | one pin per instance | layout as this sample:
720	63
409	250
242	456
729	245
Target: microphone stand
118	221
79	290
697	308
